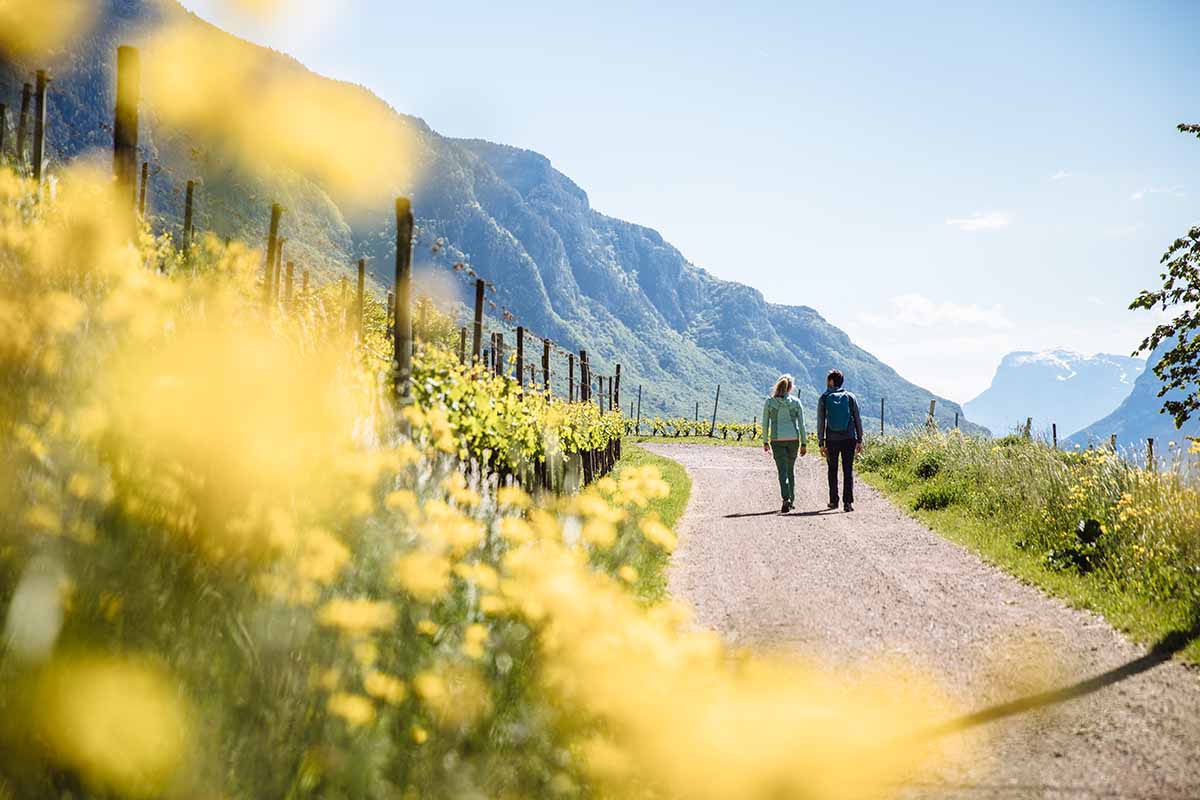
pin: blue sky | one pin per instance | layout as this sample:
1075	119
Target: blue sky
946	185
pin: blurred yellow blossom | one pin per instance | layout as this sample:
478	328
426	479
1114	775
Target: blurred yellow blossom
357	616
355	709
659	534
118	722
423	574
474	639
384	687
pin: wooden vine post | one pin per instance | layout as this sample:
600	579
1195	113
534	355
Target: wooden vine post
272	248
391	314
639	411
189	199
585	378
546	368
142	193
402	334
712	431
23	126
1054	433
125	127
277	272
1150	464
570	377
3	129
617	390
462	345
498	355
477	341
361	298
882	409
39	127
287	286
521	356
1112	442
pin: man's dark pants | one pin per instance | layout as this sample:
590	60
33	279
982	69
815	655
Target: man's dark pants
843	448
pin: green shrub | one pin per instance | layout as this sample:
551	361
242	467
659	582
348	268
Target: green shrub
936	496
929	465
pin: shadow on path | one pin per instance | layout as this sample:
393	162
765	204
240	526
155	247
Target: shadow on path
818	513
1162	651
774	513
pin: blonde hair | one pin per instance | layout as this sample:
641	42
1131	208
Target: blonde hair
783	386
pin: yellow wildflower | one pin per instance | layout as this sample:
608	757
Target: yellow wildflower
659	534
513	497
516	531
323	556
366	653
357	616
384	687
482	575
117	723
43	519
474	639
424	575
404	501
600	533
355	709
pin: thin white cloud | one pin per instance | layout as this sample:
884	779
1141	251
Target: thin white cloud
980	221
1173	191
914	310
1058	176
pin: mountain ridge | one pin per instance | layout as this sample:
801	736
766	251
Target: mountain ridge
1054	386
1140	416
568	272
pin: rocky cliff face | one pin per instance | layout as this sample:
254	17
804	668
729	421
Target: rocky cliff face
1139	417
1054	386
564	270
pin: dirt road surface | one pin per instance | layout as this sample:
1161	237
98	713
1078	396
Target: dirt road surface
847	589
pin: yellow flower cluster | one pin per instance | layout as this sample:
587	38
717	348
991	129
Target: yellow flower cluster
316	586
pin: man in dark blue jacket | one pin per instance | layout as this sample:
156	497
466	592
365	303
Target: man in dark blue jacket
839	435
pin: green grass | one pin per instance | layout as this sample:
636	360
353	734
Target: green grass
953	500
717	440
652	566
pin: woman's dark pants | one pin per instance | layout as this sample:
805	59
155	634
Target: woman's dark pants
785	459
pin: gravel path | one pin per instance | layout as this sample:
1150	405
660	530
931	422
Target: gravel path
850	588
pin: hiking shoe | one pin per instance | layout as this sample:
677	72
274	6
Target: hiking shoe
849	507
786	507
832	506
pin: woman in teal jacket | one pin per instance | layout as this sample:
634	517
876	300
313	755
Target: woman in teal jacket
784	436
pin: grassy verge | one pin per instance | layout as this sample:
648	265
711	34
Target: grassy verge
652	565
1027	509
715	440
